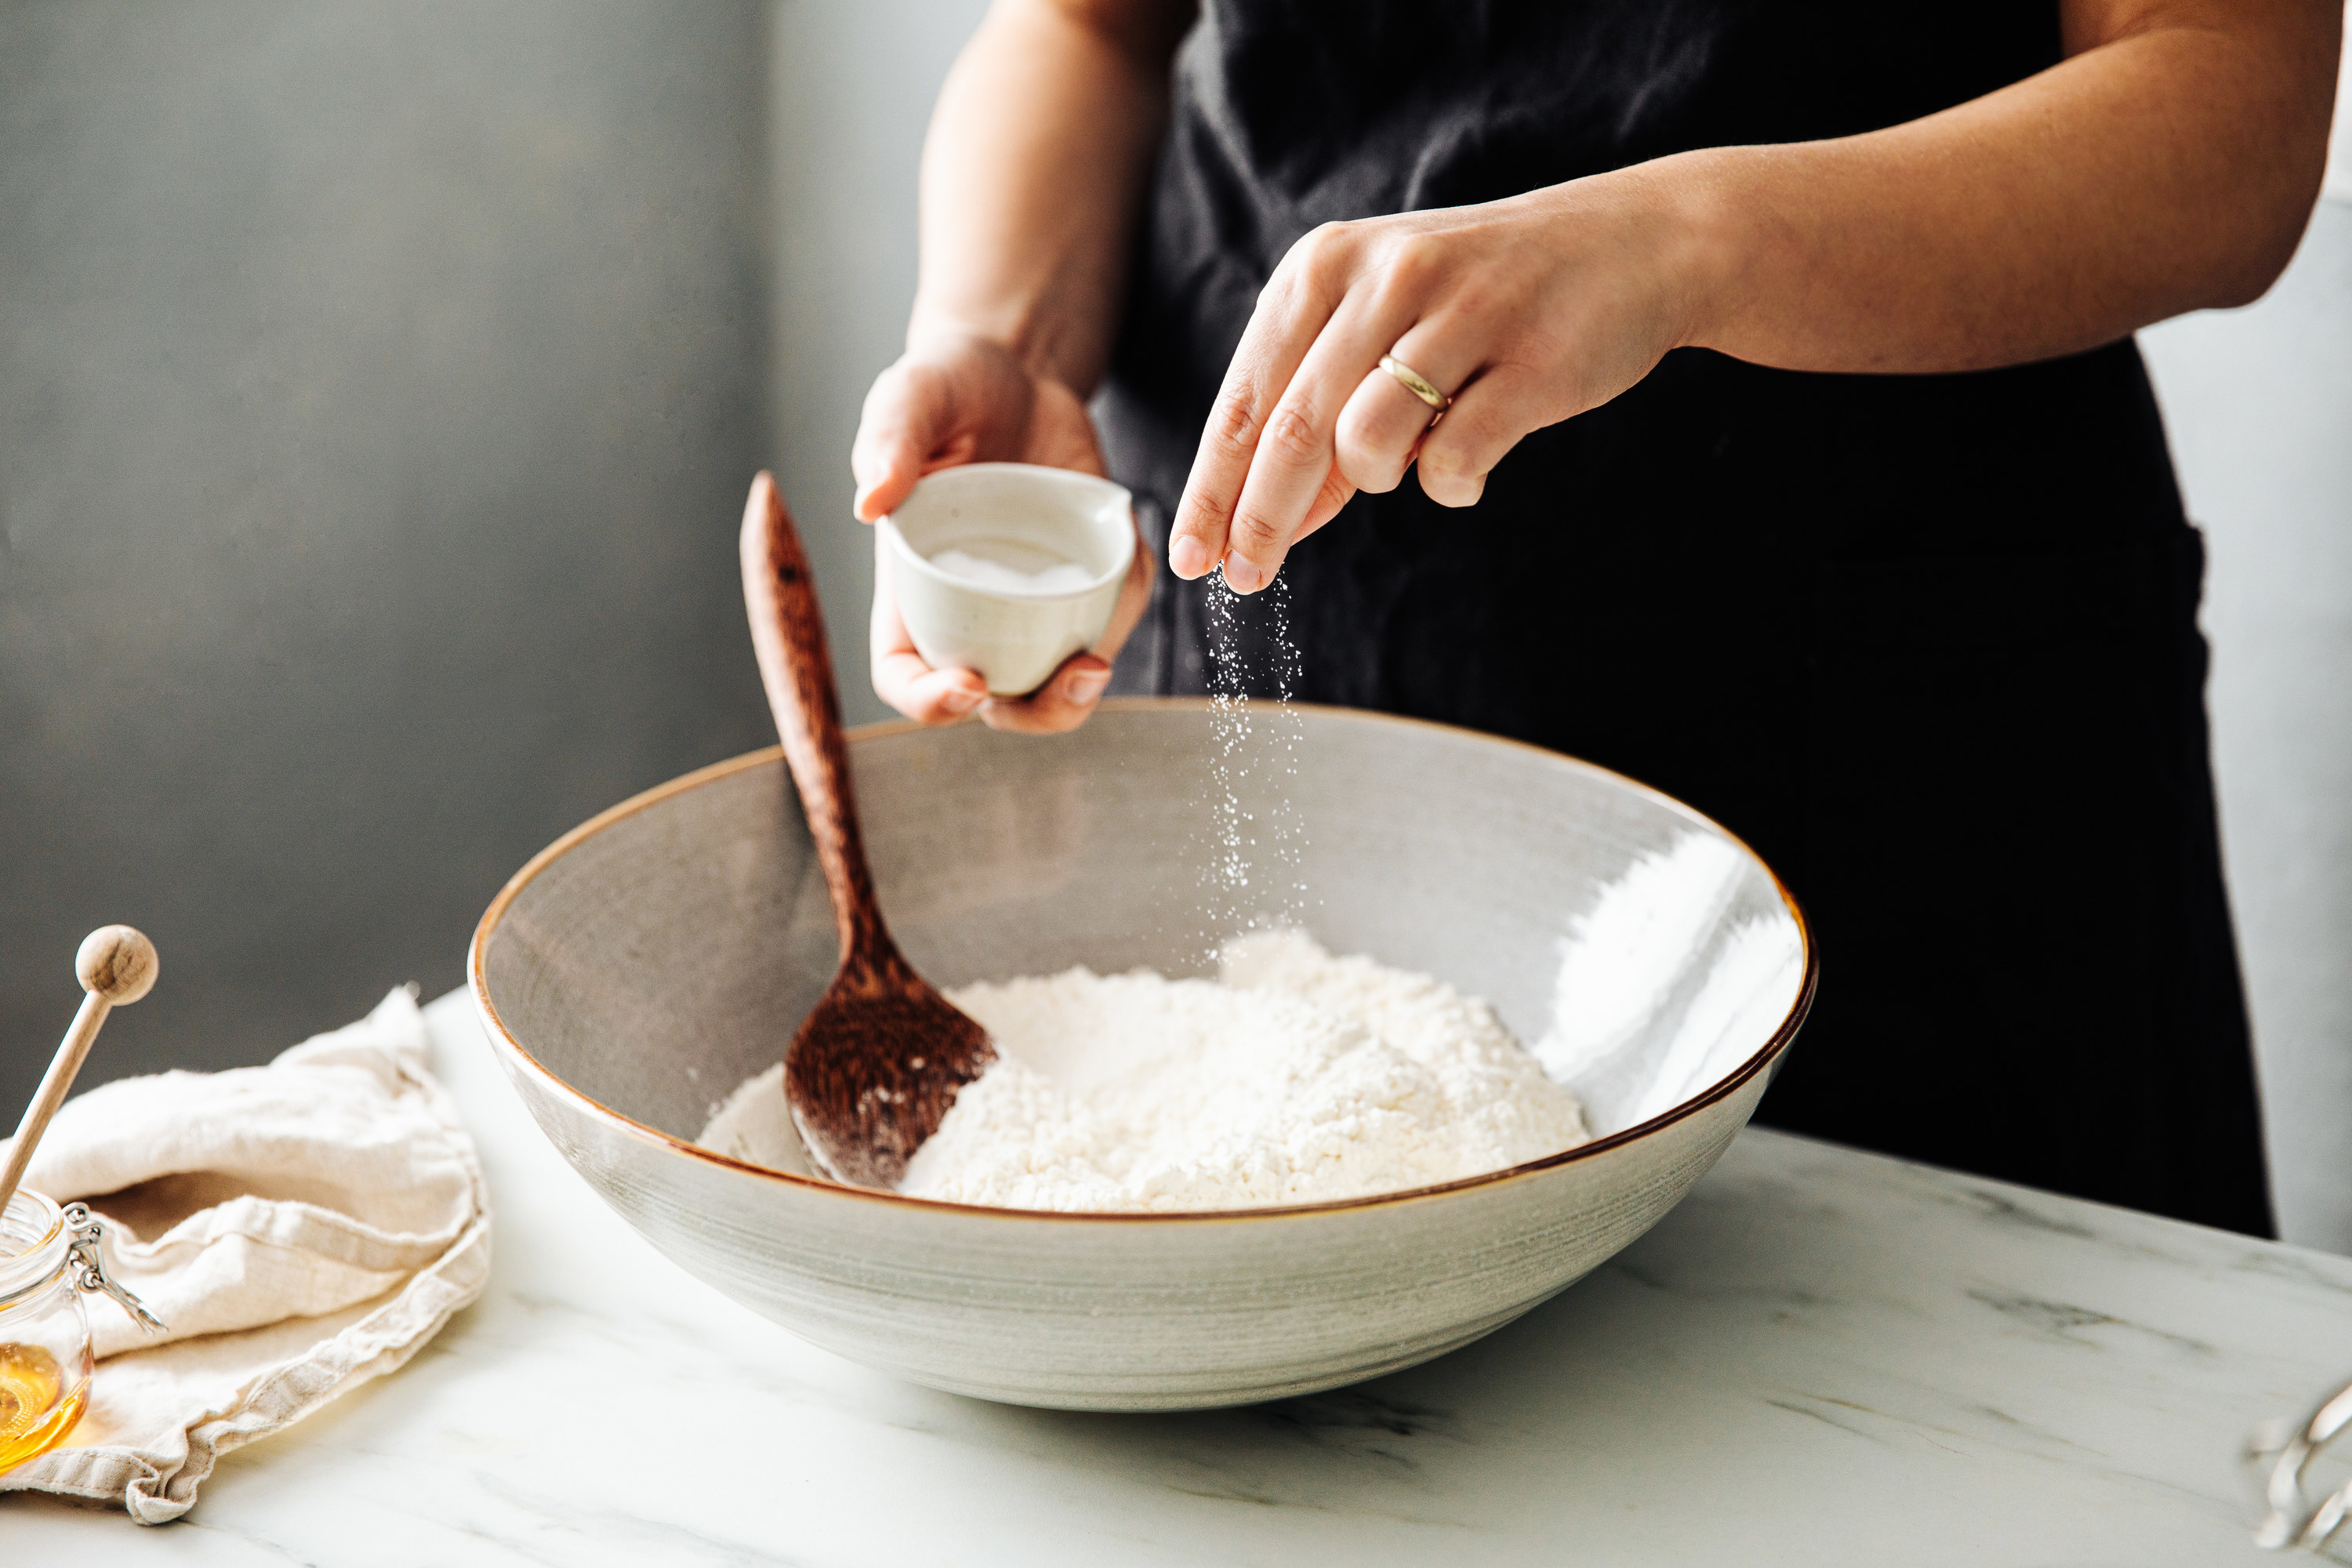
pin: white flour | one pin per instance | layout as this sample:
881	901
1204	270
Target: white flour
1299	1078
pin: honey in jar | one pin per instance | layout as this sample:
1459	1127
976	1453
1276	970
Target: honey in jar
45	1355
38	1405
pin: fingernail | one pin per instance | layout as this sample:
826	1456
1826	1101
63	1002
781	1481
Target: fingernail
1084	686
1188	557
1243	576
959	700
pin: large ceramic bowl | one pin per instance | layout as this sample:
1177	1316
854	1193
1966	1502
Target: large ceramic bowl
636	971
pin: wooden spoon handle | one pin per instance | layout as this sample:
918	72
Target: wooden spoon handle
116	966
788	634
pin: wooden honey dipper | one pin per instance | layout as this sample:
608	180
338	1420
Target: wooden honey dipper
117	966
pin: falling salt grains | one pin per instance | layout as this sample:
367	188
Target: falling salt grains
1287	836
1257	869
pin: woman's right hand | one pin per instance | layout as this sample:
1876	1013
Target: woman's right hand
952	399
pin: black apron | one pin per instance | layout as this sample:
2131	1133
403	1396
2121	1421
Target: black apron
1929	643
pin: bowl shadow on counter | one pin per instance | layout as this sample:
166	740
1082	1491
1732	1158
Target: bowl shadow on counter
1676	1369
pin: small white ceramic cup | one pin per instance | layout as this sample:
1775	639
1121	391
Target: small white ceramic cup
1025	517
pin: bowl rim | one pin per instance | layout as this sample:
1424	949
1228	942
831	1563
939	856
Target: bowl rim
504	1039
903	550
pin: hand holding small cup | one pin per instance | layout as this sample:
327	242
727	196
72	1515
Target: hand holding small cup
954	400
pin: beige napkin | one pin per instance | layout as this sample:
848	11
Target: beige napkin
302	1227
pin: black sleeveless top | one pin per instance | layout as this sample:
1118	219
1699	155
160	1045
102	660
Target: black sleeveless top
1929	643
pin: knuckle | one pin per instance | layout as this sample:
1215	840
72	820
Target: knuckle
1318	263
1351	452
915	381
1291	435
1234	423
1450	486
1324	244
1370	469
1455	464
905	401
1201	518
1447	462
1254	533
1362	429
1413	264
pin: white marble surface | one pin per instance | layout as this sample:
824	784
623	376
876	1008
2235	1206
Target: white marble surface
1820	1358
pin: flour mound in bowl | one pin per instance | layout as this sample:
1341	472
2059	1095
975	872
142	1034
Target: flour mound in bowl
1294	1078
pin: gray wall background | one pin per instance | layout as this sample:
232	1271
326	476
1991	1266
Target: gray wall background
378	387
2258	403
851	88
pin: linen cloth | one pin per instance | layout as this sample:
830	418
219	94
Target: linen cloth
299	1227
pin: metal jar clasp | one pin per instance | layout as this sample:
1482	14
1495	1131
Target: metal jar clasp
90	1271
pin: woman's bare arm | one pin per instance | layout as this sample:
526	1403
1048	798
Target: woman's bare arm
2170	165
2170	162
1033	173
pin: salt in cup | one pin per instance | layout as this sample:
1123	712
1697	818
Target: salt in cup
1003	523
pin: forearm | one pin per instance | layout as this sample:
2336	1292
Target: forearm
1033	173
2167	168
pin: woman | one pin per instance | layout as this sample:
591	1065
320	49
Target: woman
1794	457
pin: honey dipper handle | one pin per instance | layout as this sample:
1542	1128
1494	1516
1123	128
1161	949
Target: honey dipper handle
796	668
115	965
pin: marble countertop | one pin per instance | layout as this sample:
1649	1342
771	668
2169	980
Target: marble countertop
1820	1358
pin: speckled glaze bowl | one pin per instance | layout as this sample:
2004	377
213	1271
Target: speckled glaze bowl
641	967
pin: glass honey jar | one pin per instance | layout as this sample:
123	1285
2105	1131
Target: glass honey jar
48	1257
45	1359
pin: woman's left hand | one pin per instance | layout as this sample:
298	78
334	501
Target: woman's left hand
1525	311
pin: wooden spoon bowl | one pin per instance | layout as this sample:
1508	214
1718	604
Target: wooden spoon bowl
875	1065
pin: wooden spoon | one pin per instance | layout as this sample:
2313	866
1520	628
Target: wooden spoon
879	1061
117	966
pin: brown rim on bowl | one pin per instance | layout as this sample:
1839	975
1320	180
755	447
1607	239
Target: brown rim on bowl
504	1038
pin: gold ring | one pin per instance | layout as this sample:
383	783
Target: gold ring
1415	383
